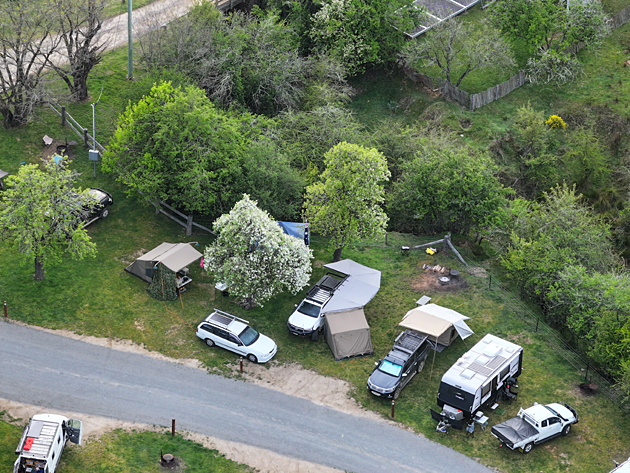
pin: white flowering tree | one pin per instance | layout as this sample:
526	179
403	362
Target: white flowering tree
254	257
362	32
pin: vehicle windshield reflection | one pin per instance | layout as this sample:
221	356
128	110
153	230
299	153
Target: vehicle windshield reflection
390	368
309	309
249	336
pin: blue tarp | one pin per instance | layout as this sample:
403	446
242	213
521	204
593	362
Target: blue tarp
297	230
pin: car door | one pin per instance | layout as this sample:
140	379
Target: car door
221	337
74	429
408	370
234	344
554	426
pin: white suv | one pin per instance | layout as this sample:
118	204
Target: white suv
234	334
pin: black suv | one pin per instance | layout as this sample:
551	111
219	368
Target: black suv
405	359
101	209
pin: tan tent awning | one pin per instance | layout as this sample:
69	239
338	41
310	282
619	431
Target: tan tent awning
439	323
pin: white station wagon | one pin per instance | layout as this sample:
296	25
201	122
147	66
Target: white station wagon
235	334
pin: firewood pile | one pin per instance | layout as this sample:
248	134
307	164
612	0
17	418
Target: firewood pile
435	268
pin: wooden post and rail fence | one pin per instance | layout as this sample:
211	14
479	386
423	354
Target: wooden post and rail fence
185	221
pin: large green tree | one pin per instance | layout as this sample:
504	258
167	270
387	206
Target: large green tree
549	25
41	215
254	257
307	136
362	32
245	61
174	145
345	204
550	235
459	48
444	188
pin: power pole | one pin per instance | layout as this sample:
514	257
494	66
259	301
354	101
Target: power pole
130	39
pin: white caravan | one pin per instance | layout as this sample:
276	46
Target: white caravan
477	379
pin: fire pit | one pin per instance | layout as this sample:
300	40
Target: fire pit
168	460
444	280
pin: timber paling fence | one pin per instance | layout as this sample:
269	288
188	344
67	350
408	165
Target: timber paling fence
475	101
551	337
185	221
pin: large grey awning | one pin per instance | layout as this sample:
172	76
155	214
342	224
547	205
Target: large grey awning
357	290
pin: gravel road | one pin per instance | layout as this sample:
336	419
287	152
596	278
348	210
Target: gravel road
60	373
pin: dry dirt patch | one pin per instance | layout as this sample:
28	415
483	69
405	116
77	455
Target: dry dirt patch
429	281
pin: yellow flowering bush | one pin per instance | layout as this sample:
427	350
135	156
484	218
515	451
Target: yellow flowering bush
555	121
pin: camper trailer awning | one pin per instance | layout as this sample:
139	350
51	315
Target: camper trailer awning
180	256
174	256
357	290
434	320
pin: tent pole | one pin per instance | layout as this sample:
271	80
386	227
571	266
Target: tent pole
432	364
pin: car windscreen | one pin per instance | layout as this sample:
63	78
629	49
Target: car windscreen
249	336
309	309
390	368
98	194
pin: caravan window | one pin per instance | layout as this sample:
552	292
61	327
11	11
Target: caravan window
485	390
504	373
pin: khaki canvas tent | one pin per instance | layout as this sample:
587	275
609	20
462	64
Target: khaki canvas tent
348	334
440	324
175	256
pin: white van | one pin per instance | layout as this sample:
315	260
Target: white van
43	441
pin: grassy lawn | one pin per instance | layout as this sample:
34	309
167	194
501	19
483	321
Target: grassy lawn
129	452
97	297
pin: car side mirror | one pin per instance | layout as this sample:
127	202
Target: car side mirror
296	306
376	363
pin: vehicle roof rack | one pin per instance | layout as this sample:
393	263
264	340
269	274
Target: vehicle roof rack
224	318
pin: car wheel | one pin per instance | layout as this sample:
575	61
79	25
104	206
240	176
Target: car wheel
528	448
104	213
566	430
315	335
252	358
397	392
209	342
421	365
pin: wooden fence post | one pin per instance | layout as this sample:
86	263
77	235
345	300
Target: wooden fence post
189	222
63	115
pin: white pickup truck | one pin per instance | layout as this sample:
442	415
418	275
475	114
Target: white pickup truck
535	425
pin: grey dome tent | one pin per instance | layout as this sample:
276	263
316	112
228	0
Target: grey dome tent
174	256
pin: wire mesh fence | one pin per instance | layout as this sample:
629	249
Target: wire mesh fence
534	322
